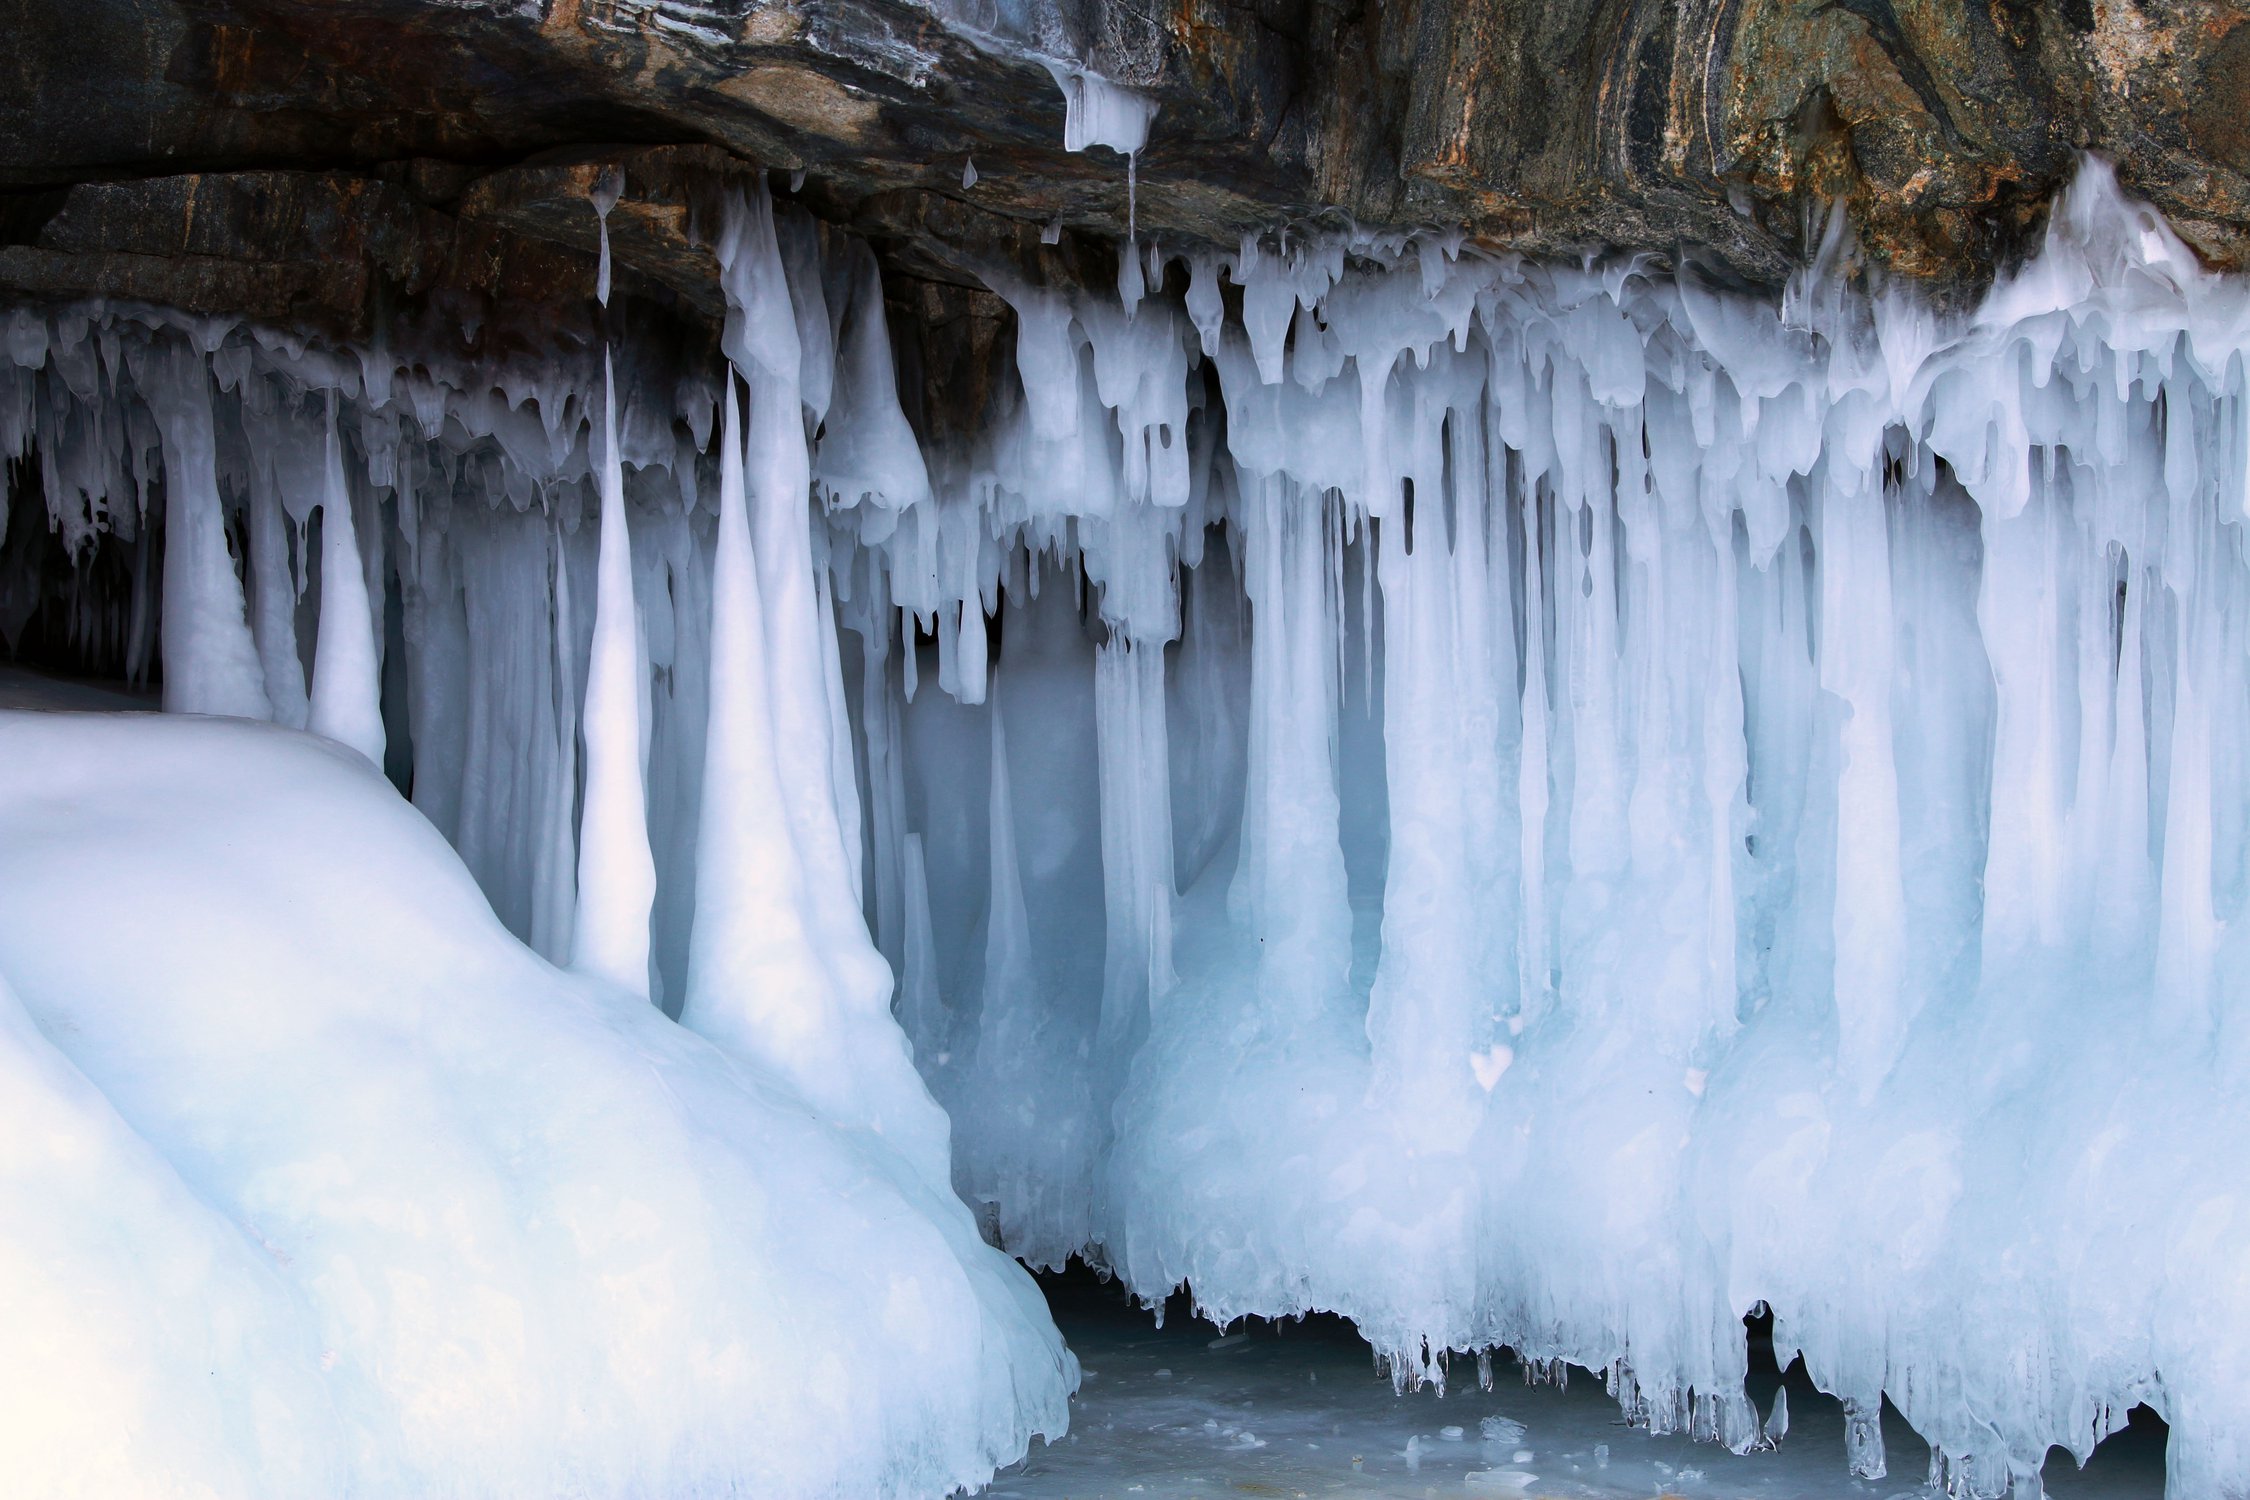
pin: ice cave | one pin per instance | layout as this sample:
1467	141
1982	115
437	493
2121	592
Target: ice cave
885	748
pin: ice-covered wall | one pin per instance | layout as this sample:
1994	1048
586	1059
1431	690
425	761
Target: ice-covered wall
1528	804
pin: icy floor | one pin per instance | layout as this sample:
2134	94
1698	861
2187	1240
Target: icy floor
1299	1410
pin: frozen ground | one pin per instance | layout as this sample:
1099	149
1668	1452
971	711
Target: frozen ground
1300	1410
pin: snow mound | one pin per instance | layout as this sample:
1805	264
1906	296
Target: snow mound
315	1182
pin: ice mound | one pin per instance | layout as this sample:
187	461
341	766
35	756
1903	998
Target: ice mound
315	1181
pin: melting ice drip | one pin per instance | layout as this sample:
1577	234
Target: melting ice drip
1602	803
1098	112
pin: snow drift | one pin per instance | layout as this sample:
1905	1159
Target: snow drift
315	1181
1528	804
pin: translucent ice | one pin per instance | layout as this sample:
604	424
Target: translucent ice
1523	803
616	872
345	703
1098	112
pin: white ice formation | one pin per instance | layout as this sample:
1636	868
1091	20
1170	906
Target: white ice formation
1100	112
1527	804
318	1183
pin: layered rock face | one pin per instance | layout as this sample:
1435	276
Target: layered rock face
144	135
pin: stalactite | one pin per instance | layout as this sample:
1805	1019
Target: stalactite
616	871
345	702
210	663
1523	803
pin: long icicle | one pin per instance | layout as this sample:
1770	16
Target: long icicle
346	703
616	871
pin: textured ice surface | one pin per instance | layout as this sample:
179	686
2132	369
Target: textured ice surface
1098	112
1526	804
315	1181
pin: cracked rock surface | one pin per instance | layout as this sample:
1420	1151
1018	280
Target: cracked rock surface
325	164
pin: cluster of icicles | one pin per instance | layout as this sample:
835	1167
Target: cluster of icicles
1527	804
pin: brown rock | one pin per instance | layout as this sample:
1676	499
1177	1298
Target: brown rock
246	144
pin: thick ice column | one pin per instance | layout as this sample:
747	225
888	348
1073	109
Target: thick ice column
436	630
346	703
759	979
2124	877
675	580
755	978
1781	692
921	1009
211	663
835	1036
2188	928
1442	977
1534	775
843	765
1290	887
972	651
554	778
779	477
1587	636
140	628
1009	1019
2020	612
2091	584
883	736
1716	667
273	600
1131	557
1872	1008
1136	810
616	871
1681	685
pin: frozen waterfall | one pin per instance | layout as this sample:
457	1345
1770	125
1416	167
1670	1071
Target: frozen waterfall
1527	804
